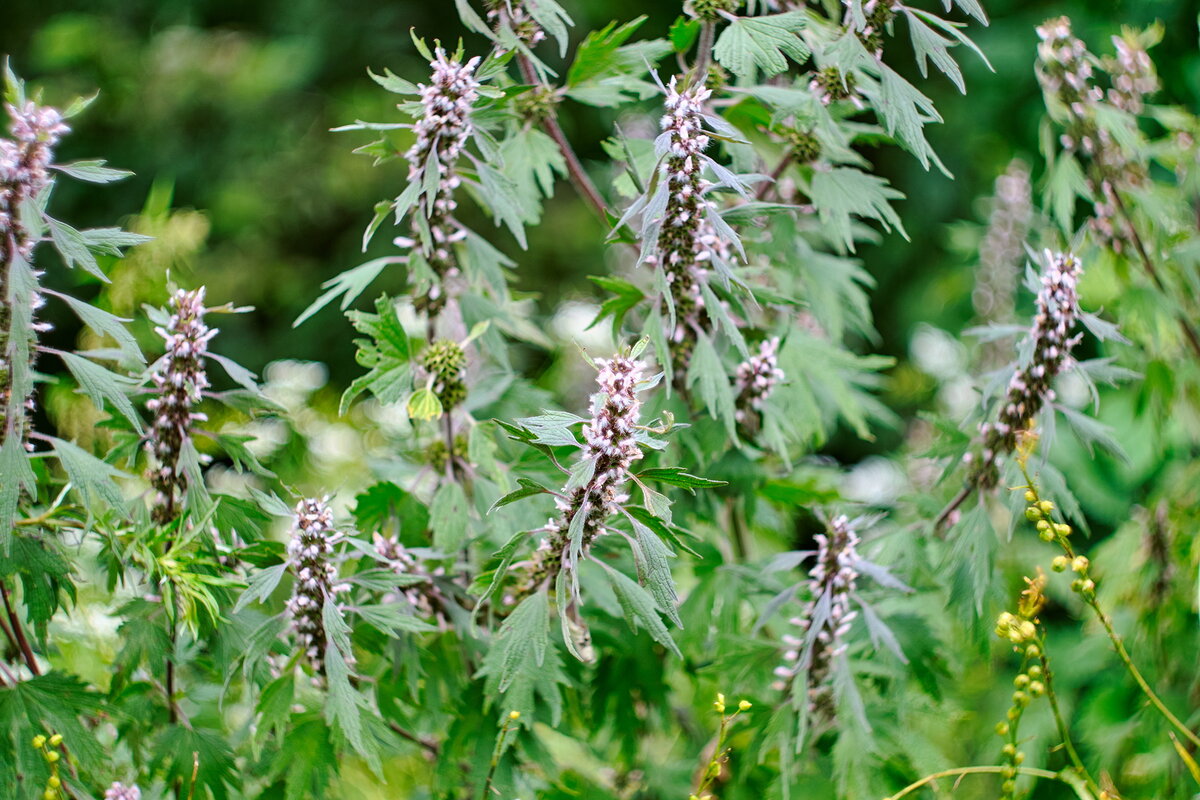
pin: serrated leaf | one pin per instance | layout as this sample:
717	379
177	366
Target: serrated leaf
639	608
349	284
18	475
706	371
105	324
93	171
677	476
73	248
393	619
552	428
654	570
761	42
262	585
524	637
102	385
843	192
92	478
527	488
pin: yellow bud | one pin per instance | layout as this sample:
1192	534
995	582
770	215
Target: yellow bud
54	782
39	742
1060	563
1046	506
514	715
1080	563
1063	529
720	707
52	756
1030	495
744	705
1002	729
720	698
50	794
56	739
1037	688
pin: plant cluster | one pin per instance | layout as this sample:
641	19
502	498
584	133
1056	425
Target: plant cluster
509	599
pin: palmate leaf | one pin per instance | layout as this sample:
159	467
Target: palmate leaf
522	665
349	285
182	750
44	704
386	355
105	324
750	43
449	517
706	371
843	192
905	110
532	160
92	478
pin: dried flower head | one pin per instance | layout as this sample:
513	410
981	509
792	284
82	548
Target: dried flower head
610	443
1002	251
441	134
832	580
179	381
1029	389
310	557
119	791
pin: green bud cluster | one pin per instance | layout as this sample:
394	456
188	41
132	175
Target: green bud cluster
709	10
436	453
806	148
447	363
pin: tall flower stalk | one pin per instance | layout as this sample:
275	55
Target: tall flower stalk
1053	336
25	162
441	134
180	379
311	560
610	448
1002	250
826	620
685	243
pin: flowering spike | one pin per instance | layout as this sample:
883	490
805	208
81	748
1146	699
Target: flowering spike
24	173
442	132
310	557
832	579
119	791
179	381
757	378
687	243
1029	388
610	440
513	16
1003	248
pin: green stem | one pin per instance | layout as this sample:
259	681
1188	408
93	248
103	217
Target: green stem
989	770
1048	680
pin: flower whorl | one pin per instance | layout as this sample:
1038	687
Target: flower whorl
179	380
687	242
1133	75
757	378
513	15
119	791
831	581
610	441
24	172
310	557
441	134
1029	388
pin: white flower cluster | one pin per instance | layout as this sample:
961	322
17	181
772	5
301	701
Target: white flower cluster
441	134
831	581
1003	248
687	242
610	441
119	791
1065	71
1053	337
757	378
1133	75
179	381
24	163
310	556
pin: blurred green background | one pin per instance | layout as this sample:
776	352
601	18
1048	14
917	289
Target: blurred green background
223	108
